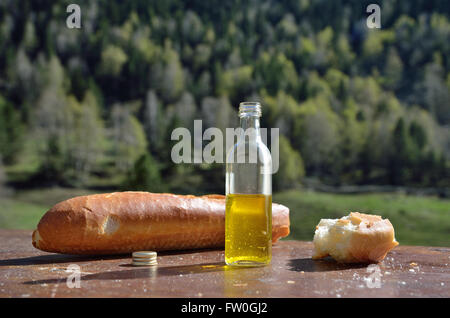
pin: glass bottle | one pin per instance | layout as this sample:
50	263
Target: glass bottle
248	187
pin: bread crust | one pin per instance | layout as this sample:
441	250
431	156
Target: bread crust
123	222
373	239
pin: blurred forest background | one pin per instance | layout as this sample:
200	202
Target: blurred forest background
92	109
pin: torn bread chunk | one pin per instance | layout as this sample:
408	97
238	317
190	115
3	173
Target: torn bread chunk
356	238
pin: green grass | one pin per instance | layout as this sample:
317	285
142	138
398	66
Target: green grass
416	220
24	209
49	196
19	215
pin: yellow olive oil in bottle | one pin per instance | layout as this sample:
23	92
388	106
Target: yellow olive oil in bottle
248	216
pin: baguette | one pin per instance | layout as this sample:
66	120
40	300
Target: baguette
123	222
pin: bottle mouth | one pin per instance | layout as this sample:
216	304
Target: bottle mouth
247	109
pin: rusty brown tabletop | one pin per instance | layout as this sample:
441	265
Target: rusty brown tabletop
407	271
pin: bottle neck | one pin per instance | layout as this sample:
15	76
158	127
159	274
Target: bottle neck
250	124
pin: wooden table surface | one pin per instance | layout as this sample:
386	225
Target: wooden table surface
407	271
